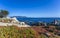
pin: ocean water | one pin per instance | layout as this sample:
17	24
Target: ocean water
47	20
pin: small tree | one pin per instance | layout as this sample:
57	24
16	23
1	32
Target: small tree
3	13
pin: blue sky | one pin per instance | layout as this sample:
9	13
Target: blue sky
32	8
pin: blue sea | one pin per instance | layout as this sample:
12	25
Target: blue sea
47	20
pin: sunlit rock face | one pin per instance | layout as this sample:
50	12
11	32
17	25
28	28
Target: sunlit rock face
12	21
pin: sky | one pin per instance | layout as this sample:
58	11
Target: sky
31	8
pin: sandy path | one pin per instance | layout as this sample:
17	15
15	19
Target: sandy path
10	24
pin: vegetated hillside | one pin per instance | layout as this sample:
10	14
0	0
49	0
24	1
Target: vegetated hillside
28	32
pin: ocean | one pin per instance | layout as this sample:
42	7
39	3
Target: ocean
47	20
